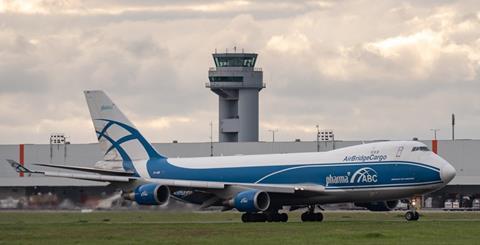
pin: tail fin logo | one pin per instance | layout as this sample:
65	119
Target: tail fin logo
117	144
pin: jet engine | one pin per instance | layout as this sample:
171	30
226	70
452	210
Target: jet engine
149	194
250	201
379	206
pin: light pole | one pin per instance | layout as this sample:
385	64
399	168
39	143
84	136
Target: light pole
333	140
453	126
273	138
318	138
434	132
273	134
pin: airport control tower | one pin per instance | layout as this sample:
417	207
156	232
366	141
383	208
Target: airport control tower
237	82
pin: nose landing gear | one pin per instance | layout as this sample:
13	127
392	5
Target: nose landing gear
411	214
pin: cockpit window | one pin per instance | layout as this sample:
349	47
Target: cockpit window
420	148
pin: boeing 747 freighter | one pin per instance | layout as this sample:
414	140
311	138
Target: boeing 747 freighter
375	176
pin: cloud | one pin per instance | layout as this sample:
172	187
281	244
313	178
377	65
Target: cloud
155	9
367	71
164	122
294	43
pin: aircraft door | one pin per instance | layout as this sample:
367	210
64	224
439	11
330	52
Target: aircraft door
399	151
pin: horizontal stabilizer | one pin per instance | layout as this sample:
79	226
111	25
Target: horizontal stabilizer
19	167
88	169
95	177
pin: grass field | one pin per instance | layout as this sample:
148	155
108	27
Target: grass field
220	228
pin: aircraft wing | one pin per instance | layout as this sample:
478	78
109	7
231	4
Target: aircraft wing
112	176
96	177
283	188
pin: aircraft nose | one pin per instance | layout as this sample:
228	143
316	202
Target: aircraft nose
448	173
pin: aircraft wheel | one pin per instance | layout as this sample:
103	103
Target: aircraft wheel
318	217
278	218
259	217
305	217
270	217
308	217
416	215
275	217
412	215
254	217
245	217
283	217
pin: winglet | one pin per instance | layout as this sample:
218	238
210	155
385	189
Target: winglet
19	167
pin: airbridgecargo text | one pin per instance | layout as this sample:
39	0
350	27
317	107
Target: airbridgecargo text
365	158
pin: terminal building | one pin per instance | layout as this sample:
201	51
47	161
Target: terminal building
237	83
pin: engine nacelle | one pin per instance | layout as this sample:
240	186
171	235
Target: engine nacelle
149	194
250	201
379	206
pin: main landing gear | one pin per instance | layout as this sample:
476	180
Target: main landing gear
273	216
411	214
310	215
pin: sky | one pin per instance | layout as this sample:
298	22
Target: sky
365	69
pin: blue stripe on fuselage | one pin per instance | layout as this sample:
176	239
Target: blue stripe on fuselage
333	175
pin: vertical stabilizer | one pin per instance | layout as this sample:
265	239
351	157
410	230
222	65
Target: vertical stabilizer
119	139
